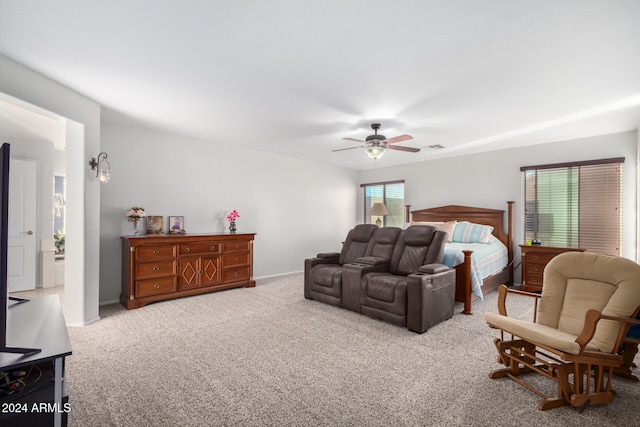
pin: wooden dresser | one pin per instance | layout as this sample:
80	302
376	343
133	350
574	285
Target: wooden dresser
534	260
161	267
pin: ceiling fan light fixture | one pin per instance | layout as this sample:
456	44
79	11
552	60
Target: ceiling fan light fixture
375	151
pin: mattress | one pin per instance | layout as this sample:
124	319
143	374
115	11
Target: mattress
487	259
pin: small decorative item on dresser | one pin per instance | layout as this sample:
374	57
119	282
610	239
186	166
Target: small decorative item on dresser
176	225
232	220
133	215
155	224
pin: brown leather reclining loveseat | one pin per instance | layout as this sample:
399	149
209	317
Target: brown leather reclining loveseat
400	279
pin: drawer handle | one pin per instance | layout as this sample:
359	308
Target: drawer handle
236	246
535	257
156	268
236	274
535	268
156	286
212	248
156	252
187	250
235	259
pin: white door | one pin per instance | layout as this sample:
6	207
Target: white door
22	225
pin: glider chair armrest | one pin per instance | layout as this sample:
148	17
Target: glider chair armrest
591	321
352	275
502	299
430	296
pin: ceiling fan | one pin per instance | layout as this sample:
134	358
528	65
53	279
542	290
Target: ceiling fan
376	145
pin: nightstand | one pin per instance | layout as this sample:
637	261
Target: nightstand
534	260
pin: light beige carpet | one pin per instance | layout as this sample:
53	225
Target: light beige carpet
267	356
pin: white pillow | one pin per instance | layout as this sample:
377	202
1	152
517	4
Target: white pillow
447	227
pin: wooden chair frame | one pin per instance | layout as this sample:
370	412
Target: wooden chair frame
583	379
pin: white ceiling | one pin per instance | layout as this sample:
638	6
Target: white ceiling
294	77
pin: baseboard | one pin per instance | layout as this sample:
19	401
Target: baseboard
87	323
272	276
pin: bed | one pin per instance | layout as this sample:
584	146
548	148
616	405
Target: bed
465	268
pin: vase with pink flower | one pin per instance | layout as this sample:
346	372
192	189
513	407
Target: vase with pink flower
134	215
232	220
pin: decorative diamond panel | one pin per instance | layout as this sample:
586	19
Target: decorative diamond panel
210	270
188	273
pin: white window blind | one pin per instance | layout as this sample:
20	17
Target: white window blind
575	205
389	193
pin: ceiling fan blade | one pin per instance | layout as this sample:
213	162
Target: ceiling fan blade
401	148
354	140
399	138
350	148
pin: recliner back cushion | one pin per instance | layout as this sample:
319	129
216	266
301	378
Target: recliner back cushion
383	242
356	243
575	282
416	246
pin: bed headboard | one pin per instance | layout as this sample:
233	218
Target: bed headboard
492	217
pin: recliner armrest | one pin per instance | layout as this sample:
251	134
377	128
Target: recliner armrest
328	255
430	297
371	260
433	268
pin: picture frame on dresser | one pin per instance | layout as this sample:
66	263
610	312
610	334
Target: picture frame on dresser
176	225
155	224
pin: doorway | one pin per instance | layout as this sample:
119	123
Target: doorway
22	225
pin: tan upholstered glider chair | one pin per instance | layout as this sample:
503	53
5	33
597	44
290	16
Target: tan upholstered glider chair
588	302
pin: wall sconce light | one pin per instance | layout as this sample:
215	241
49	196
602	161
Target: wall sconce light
102	173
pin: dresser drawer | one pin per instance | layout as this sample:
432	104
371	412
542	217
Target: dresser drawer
236	246
540	258
231	260
144	253
235	274
147	270
533	279
535	268
164	285
199	249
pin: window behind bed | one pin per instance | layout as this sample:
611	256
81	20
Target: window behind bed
392	195
575	205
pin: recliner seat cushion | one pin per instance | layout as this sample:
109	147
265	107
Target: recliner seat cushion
385	293
326	279
381	288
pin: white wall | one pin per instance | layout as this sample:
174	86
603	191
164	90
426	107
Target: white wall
83	191
297	208
490	179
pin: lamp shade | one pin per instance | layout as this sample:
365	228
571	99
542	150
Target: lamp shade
379	209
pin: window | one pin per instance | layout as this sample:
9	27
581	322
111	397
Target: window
389	193
575	205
